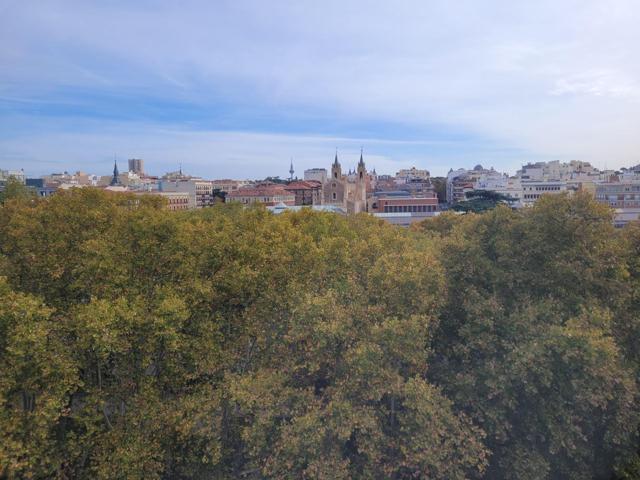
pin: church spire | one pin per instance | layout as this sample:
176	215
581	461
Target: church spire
362	170
336	170
115	180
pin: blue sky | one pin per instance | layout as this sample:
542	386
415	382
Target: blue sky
238	88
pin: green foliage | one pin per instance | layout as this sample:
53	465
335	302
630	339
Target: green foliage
14	189
526	345
478	201
278	180
231	343
440	187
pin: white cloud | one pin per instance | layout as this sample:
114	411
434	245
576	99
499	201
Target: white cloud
558	79
212	154
607	83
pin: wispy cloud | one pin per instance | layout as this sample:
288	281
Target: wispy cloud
540	79
230	153
601	83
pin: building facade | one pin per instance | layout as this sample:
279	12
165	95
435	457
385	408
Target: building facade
269	194
347	191
307	192
624	194
461	181
136	165
317	174
532	190
200	191
227	185
411	173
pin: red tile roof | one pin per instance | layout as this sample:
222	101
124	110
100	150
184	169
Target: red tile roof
304	185
260	191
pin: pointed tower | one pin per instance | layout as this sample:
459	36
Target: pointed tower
360	201
115	180
336	169
291	171
362	170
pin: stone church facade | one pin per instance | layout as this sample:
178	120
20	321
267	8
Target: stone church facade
347	191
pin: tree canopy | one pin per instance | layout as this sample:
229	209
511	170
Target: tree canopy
478	201
232	343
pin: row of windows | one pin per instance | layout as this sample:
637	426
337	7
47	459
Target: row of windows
619	197
545	188
625	204
409	208
618	189
276	198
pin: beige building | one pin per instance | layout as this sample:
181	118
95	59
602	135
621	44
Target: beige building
413	172
226	185
307	192
175	200
269	194
200	191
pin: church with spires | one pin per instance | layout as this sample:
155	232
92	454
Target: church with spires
348	191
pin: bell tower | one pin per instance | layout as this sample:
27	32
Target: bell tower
360	200
362	170
336	169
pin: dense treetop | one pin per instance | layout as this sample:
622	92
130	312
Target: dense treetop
232	343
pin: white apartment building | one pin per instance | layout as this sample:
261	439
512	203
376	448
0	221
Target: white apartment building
554	170
461	181
532	190
17	174
508	186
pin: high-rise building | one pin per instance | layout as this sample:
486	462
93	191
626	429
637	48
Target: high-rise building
136	165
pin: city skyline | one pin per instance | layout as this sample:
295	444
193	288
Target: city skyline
237	89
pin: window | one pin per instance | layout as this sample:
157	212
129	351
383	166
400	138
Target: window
334	195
